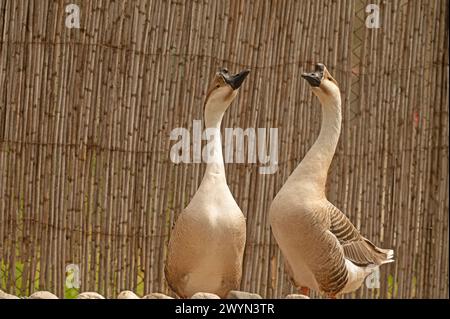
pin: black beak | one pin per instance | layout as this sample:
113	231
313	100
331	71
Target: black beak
314	78
236	80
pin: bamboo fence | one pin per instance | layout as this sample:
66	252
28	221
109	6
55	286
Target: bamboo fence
85	118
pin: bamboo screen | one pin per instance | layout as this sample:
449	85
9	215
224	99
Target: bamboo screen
86	114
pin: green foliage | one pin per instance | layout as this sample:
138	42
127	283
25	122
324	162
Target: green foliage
392	288
71	293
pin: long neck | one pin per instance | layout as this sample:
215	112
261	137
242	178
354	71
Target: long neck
213	120
314	167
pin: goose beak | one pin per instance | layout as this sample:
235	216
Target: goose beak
314	78
236	80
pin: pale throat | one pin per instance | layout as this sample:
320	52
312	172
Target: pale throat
316	163
213	120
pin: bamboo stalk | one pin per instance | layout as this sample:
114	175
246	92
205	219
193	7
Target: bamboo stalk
85	172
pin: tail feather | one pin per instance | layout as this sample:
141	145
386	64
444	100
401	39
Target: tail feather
387	255
383	256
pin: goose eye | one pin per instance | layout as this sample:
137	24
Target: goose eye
225	70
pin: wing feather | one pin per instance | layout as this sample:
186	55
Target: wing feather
358	249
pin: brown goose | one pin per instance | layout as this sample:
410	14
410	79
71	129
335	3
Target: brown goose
322	249
206	246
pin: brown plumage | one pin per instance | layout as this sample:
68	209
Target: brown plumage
322	248
207	243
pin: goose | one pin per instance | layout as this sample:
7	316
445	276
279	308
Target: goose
206	246
322	249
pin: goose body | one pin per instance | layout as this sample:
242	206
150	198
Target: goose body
207	243
322	249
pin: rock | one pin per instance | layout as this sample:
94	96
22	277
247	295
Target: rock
296	296
4	295
43	295
156	295
126	294
235	294
90	295
204	295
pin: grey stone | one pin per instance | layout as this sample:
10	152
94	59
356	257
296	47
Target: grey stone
235	294
204	295
4	295
43	295
90	295
156	295
296	296
126	294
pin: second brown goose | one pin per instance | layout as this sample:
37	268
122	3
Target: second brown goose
322	249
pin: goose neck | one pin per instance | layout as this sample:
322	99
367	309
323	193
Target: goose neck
214	157
315	165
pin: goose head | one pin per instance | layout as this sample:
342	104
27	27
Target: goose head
323	85
223	89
